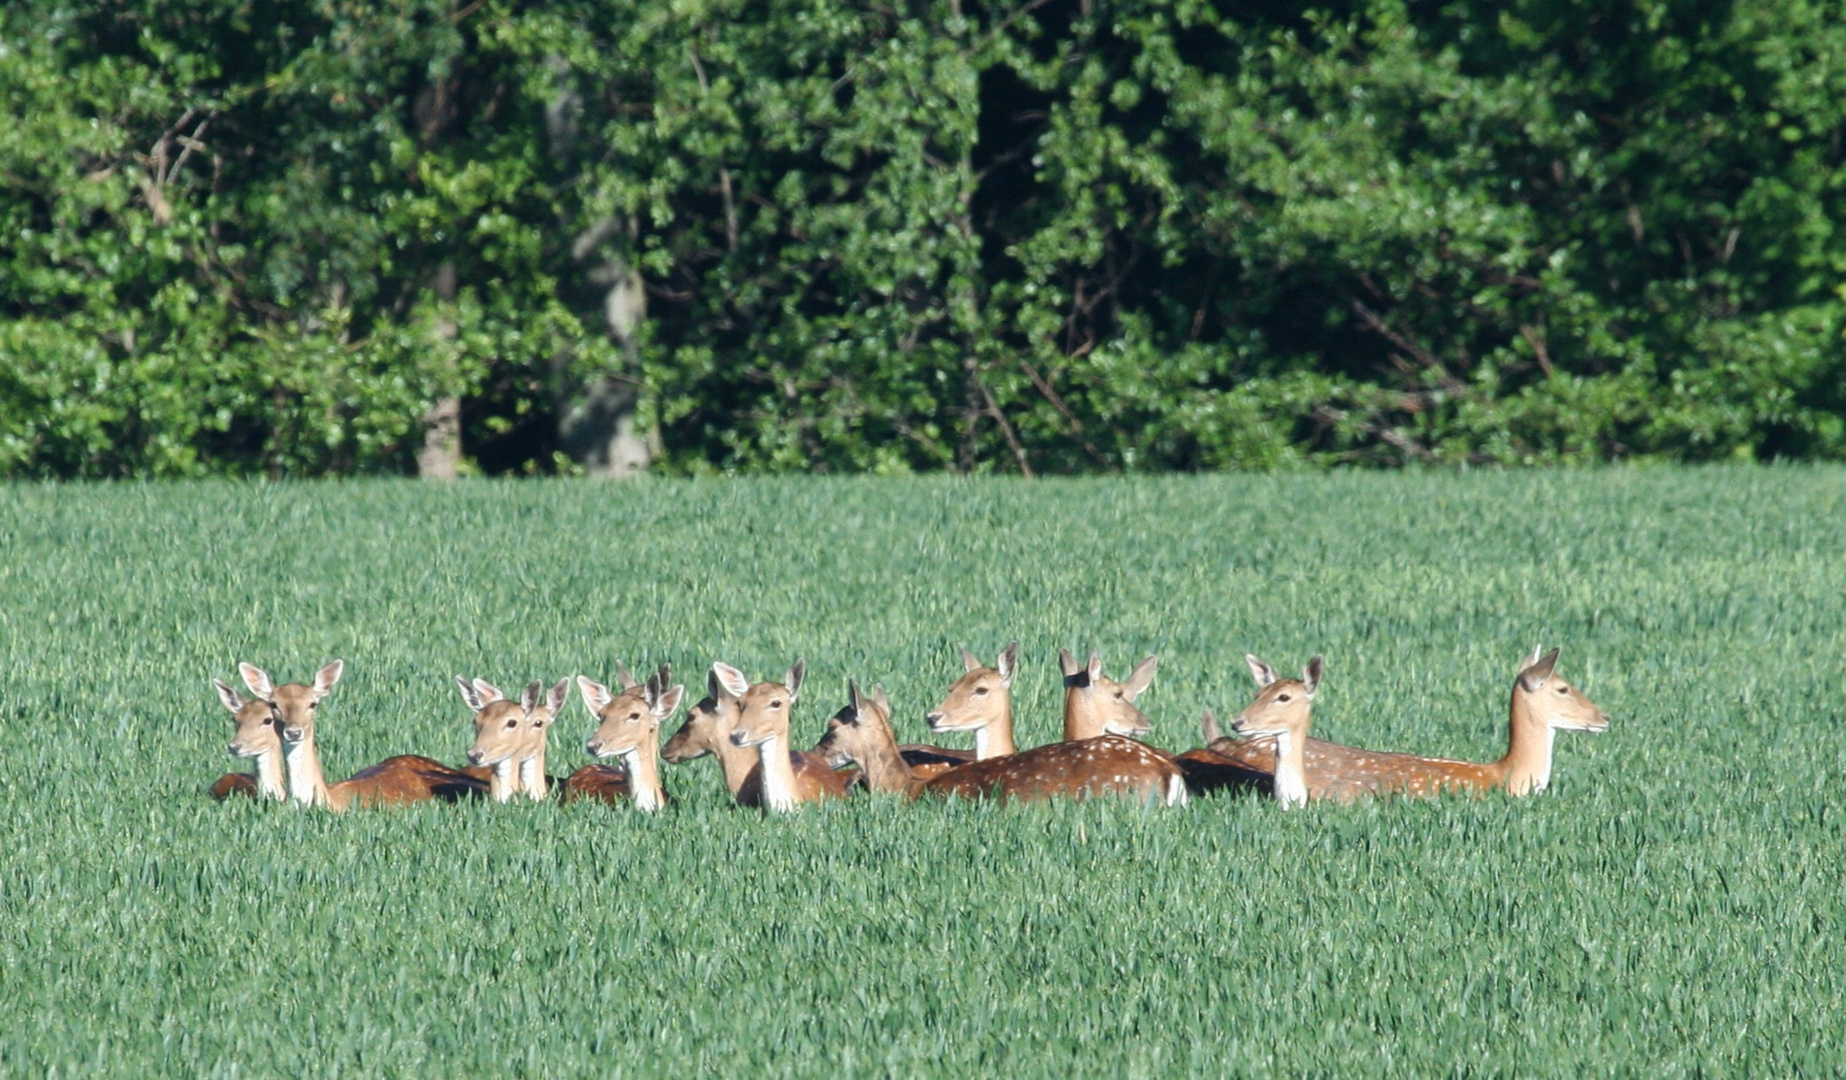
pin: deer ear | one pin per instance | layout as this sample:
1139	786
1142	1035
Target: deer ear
595	695
231	698
969	661
1208	728
530	697
1095	668
1310	676
628	681
1067	664
1539	671
1140	678
257	680
667	702
727	681
879	699
793	682
488	691
470	694
1008	663
1261	672
326	677
554	700
1537	651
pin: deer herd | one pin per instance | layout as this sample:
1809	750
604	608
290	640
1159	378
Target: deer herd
747	727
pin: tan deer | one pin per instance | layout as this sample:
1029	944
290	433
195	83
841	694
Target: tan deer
502	735
540	716
981	702
860	734
763	722
1095	705
1104	764
628	727
257	740
707	730
404	779
1542	705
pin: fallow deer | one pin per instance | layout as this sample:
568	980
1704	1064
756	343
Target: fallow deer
763	722
396	780
1105	764
860	734
707	730
628	727
981	701
502	735
255	739
1542	705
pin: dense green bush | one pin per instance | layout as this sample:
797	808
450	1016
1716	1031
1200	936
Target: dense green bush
1052	237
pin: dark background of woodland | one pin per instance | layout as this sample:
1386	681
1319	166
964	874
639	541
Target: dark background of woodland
293	237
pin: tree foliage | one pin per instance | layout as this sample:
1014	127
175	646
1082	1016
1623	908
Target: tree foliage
1039	236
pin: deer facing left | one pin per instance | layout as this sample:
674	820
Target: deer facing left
258	739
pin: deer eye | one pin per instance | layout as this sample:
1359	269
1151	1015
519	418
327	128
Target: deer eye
312	705
980	690
775	704
633	716
1281	697
512	724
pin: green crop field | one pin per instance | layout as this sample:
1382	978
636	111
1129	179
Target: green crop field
1675	903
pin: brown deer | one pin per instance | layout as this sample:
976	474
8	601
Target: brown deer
707	730
981	701
502	735
1542	705
763	722
628	727
540	717
397	780
860	734
1104	764
256	739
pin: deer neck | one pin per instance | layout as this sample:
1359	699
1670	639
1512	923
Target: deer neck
643	765
1080	720
271	781
734	761
1291	775
307	785
778	773
503	781
996	739
532	778
884	766
1526	768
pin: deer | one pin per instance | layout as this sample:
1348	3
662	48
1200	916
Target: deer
540	716
763	722
860	734
1107	762
404	779
628	727
981	701
256	739
503	734
707	730
1542	705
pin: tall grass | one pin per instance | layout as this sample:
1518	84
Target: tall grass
1673	904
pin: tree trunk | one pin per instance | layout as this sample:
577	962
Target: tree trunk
440	457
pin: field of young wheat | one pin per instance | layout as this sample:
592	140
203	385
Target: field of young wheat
1674	903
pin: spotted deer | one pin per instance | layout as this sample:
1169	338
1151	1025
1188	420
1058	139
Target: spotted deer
707	730
404	779
1104	764
628	727
502	735
860	734
255	739
1542	705
763	722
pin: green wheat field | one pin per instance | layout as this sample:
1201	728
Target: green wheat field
1674	904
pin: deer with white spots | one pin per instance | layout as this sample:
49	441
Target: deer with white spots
628	727
256	739
1275	728
1097	758
707	730
407	778
763	722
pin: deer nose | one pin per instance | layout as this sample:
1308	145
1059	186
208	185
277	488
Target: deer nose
234	748
475	756
737	738
932	719
293	734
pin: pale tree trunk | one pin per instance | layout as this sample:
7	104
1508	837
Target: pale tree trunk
440	457
597	423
